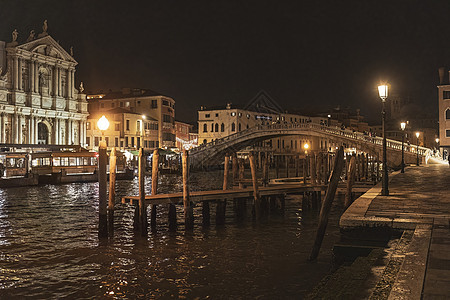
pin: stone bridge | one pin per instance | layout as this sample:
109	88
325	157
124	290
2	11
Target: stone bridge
212	153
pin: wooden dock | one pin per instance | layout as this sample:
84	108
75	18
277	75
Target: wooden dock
213	195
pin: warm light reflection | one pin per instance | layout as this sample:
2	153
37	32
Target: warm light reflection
103	123
306	146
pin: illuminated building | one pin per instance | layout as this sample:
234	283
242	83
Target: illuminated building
143	102
39	103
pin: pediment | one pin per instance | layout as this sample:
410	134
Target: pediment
47	46
262	102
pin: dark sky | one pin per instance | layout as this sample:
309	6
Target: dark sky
303	53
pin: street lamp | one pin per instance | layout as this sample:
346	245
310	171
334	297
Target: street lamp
102	124
403	126
383	92
417	150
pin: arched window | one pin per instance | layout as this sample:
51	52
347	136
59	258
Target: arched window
204	141
205	128
222	127
212	127
233	127
217	127
239	126
447	114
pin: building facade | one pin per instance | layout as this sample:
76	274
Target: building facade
444	114
127	130
39	103
186	138
146	103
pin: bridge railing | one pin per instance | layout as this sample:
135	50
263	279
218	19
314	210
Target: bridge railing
334	131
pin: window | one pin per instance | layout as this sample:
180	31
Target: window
154	103
138	125
165	103
96	141
138	142
127	104
248	116
204	141
222	127
446	94
240	114
113	105
212	127
205	128
233	114
207	116
88	126
116	142
239	127
447	133
167	119
132	141
217	115
128	125
88	140
217	127
447	114
139	103
121	144
233	127
121	104
107	141
126	141
117	127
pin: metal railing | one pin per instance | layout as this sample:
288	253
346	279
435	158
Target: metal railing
333	131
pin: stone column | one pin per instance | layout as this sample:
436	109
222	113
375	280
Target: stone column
19	66
2	128
59	82
31	130
16	73
36	131
18	137
31	75
72	83
36	75
68	81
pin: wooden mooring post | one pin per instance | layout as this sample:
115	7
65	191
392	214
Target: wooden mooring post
234	169
102	206
241	173
142	220
350	181
256	198
221	205
266	169
112	188
188	209
326	205
155	171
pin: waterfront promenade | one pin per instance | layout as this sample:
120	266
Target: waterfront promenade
419	202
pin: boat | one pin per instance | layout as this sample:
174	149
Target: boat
14	170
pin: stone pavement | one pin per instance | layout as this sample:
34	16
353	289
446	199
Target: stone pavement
420	200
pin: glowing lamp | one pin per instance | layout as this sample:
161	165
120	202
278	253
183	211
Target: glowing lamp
383	92
417	134
403	125
306	146
103	123
144	117
437	140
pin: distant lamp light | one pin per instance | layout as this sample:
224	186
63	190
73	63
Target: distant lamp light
103	123
403	125
329	116
383	92
306	146
144	117
437	140
417	134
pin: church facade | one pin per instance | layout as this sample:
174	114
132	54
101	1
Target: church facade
39	103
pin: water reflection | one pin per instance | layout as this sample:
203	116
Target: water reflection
49	248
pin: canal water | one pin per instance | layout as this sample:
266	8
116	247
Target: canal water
49	248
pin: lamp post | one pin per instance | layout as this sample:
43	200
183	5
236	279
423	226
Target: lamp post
383	92
102	124
403	126
417	149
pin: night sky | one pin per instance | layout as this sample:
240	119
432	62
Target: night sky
305	54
